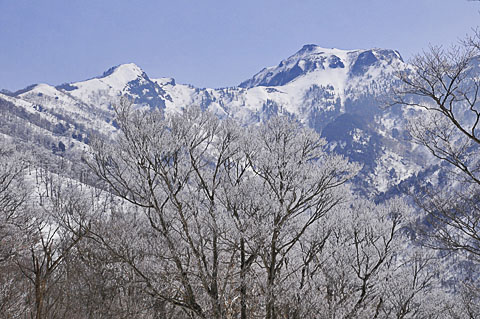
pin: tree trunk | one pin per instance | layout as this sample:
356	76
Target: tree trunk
270	311
243	288
40	285
218	309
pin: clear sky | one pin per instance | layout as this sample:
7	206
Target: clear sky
208	43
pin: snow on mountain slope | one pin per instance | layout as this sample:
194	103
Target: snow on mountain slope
126	79
333	91
113	83
314	84
29	107
28	122
89	102
345	71
309	59
51	100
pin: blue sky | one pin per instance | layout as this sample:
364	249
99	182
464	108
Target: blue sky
208	43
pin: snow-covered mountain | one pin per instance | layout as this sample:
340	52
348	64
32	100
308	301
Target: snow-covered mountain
333	91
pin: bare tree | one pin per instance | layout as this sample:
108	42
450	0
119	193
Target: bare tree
368	267
13	225
443	85
300	184
13	195
218	203
171	169
57	226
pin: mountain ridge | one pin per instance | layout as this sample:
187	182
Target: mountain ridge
318	86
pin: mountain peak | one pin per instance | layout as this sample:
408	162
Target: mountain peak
127	71
313	58
313	49
309	58
308	47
